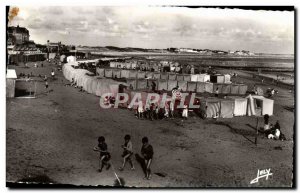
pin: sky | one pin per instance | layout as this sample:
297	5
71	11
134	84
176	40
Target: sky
161	27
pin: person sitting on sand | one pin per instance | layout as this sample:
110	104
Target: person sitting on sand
147	153
127	153
72	82
104	154
216	116
81	89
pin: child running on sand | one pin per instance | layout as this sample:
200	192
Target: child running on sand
147	153
127	153
104	154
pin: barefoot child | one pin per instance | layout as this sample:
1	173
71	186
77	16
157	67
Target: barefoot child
127	153
104	154
147	153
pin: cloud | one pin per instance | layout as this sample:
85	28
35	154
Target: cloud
164	26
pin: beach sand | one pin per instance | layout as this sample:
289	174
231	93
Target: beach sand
53	136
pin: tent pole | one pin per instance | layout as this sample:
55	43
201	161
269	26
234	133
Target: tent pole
34	88
256	131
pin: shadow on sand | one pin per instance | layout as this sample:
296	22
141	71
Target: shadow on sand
241	132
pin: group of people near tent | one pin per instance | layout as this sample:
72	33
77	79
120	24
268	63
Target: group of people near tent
154	111
146	152
273	131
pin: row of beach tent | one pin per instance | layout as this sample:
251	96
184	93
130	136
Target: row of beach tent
122	73
188	86
90	84
252	105
225	108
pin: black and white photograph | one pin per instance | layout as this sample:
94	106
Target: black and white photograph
156	96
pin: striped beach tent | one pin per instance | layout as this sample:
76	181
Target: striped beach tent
108	73
234	89
141	84
116	73
172	76
172	84
180	77
156	75
141	74
164	76
132	74
213	107
124	73
200	87
131	83
182	85
100	72
162	84
191	86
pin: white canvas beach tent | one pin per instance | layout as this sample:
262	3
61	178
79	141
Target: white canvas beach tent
227	78
240	105
124	73
227	108
71	59
100	72
213	107
194	77
203	78
91	84
259	105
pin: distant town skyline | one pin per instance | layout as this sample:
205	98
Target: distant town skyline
161	27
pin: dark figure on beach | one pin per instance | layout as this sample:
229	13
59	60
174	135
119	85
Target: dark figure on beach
152	111
104	154
46	86
130	87
147	153
266	119
127	153
153	86
217	92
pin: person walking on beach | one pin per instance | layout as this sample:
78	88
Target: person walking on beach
127	153
172	109
46	86
52	74
147	153
104	154
185	112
